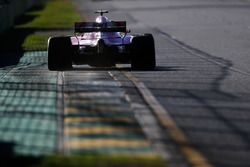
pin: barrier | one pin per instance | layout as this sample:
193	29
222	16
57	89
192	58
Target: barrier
11	9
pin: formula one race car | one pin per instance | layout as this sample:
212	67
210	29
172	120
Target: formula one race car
103	43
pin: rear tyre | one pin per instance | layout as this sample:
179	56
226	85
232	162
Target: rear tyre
60	53
143	53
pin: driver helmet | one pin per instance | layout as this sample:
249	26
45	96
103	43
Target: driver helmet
103	20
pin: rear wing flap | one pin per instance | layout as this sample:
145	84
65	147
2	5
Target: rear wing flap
113	26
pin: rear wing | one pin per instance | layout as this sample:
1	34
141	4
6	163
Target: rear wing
113	26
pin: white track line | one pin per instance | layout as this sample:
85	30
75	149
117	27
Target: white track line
193	156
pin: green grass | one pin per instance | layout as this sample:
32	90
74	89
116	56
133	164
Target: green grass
33	28
35	42
57	14
38	41
90	160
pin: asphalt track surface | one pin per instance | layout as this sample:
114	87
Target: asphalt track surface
202	74
201	82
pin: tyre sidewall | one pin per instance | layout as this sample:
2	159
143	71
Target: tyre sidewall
143	52
60	53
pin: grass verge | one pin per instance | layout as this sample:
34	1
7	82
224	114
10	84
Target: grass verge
55	14
93	160
35	42
32	29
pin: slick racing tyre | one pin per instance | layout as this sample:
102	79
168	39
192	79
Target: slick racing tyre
60	53
143	52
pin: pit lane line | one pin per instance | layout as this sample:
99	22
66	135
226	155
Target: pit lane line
192	155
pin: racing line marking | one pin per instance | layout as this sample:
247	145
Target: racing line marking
193	156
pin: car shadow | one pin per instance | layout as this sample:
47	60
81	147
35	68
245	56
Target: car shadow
126	68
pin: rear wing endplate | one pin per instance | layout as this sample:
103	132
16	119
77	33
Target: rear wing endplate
113	26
